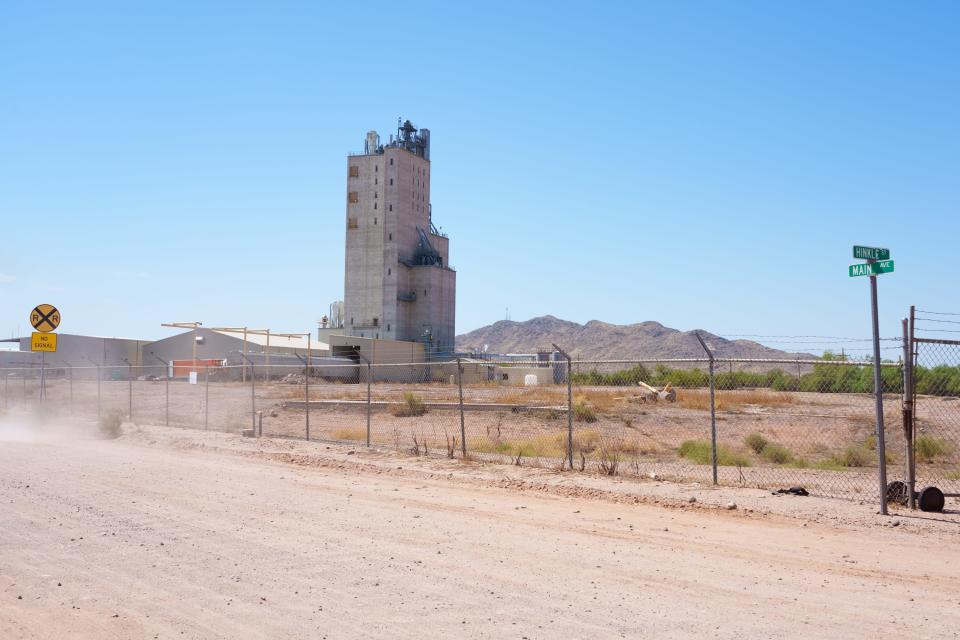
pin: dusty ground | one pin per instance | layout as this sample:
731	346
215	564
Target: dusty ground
166	533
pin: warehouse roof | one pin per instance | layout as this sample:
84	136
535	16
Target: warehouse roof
260	339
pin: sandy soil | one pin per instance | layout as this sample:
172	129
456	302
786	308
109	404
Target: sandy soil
166	533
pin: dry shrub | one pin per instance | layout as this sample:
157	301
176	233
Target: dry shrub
929	448
583	412
777	454
349	433
411	406
110	425
756	442
609	456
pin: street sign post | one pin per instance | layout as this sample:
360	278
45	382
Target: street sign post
871	268
870	253
877	261
44	318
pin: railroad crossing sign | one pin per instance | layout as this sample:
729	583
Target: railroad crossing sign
45	318
871	268
46	342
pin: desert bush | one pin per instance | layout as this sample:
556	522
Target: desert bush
609	457
929	448
699	451
853	457
583	412
412	406
756	442
110	425
777	453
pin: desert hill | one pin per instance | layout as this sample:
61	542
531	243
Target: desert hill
598	340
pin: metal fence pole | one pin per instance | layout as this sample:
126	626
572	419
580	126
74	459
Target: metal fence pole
369	378
713	409
166	391
569	404
71	386
253	395
713	423
206	397
129	390
99	395
908	409
6	386
911	451
463	428
306	379
166	399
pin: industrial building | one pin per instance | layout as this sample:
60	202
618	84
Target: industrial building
77	351
398	284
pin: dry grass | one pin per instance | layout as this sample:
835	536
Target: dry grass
699	399
588	443
349	433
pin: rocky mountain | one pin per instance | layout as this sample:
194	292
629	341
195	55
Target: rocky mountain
598	340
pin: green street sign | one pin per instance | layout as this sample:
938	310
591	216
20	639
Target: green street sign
870	253
871	268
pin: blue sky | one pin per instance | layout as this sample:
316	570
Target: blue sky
702	164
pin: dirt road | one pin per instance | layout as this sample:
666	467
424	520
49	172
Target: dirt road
132	538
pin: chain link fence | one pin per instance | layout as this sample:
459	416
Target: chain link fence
758	423
936	413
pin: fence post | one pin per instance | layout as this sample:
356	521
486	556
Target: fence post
166	397
6	386
907	409
463	428
306	391
71	387
206	397
910	397
129	390
713	411
99	395
369	376
166	378
569	404
253	394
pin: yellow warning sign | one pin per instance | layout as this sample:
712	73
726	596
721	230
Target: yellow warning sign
43	342
45	317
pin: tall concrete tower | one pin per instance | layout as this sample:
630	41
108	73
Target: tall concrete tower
398	282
